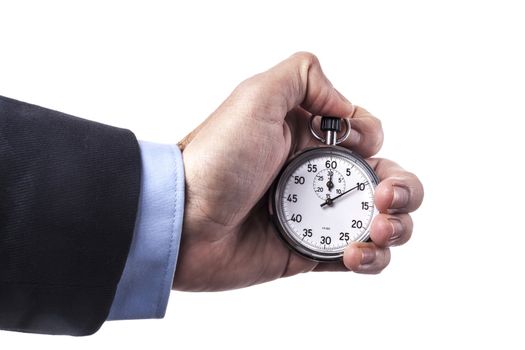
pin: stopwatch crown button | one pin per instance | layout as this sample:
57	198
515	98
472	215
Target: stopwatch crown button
331	124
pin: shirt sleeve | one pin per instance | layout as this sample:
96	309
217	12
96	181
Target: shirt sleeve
146	281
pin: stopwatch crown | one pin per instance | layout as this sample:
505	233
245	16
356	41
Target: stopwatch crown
331	124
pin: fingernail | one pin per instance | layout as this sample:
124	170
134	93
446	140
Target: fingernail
397	228
367	256
401	197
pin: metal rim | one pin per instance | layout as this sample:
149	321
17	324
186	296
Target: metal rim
276	209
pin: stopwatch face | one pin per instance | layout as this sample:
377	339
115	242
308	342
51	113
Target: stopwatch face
323	201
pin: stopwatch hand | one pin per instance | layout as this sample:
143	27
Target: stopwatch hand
330	184
330	201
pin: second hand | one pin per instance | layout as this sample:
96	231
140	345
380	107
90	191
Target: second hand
330	201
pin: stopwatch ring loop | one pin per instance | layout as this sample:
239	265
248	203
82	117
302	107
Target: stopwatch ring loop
322	139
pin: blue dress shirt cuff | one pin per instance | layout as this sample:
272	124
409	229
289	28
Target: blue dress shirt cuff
147	279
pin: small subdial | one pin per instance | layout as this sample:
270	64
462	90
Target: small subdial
329	183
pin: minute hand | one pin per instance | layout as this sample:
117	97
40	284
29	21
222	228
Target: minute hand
329	201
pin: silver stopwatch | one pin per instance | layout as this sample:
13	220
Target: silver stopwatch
323	200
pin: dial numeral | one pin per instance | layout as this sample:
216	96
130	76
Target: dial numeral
344	236
307	232
357	224
348	172
360	186
331	164
326	239
296	218
292	198
365	205
319	189
312	168
298	180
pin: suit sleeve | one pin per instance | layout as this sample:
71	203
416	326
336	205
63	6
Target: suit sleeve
69	191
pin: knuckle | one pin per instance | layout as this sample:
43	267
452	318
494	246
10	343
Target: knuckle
304	62
247	85
246	92
305	58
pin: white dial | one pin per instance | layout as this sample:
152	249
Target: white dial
324	201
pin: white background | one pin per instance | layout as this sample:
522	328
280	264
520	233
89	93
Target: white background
447	80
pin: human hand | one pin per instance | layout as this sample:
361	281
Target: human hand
231	160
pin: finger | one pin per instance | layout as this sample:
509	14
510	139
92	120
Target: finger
399	190
366	258
366	133
297	81
391	230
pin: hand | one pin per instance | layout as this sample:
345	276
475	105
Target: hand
232	159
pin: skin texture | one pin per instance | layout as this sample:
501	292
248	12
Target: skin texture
233	157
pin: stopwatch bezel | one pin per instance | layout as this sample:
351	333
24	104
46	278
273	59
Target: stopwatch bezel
276	210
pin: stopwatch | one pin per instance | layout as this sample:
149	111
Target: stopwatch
323	199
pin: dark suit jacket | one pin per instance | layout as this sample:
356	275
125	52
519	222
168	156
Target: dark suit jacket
69	192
